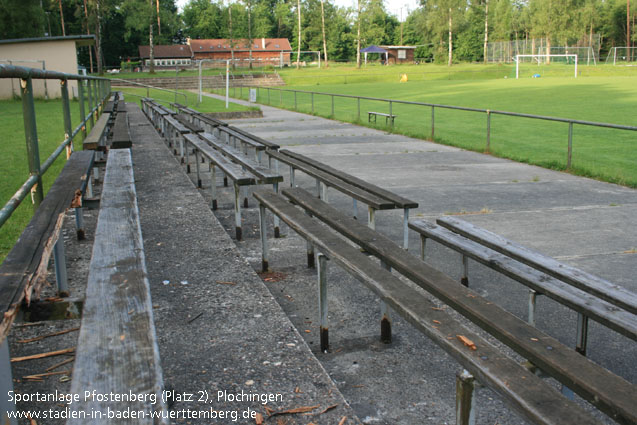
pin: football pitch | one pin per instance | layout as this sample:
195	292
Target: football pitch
601	153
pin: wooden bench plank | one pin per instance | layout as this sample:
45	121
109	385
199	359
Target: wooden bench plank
117	346
121	134
610	393
264	174
528	394
232	170
400	201
597	309
189	125
258	139
178	126
328	179
243	139
92	141
587	282
24	268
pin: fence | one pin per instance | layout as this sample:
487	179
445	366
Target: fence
620	169
98	89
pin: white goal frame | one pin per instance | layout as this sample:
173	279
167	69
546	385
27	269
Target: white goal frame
517	61
613	53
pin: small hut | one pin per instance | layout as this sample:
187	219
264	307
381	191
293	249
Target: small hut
374	49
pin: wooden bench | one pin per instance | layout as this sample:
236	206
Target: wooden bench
121	134
267	144
231	137
95	139
388	117
183	119
117	350
534	399
24	269
376	198
609	393
174	132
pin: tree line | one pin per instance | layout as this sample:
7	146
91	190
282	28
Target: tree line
444	30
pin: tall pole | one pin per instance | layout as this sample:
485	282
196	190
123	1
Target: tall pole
227	81
62	18
298	47
486	31
628	43
324	40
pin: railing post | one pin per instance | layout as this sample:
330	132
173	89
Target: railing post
90	101
332	106
295	100
359	108
80	95
312	96
66	112
488	131
569	159
31	136
432	123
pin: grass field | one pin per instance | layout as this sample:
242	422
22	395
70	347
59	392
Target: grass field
208	104
606	154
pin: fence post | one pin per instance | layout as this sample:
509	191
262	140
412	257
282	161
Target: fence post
90	101
268	95
332	106
432	123
280	97
390	113
80	95
312	96
359	108
570	146
31	136
488	131
66	112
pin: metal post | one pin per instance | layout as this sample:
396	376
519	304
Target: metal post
277	232
80	95
359	107
237	211
488	131
390	114
6	385
268	95
79	219
324	194
264	239
227	81
432	123
582	334
406	229
322	298
371	218
66	112
197	155
423	246
355	209
465	271
465	400
312	97
570	146
90	101
46	87
295	100
213	186
532	307
291	176
385	316
280	97
332	106
59	258
31	136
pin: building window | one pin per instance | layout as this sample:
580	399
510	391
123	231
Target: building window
402	54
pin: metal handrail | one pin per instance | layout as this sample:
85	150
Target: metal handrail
148	87
98	91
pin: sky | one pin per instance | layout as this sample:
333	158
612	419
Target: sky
392	6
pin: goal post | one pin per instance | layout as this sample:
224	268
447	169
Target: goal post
537	57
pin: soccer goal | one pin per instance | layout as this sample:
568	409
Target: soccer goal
571	58
622	55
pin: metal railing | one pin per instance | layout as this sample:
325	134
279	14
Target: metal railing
98	90
488	113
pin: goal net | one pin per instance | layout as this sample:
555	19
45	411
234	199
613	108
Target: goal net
538	63
622	56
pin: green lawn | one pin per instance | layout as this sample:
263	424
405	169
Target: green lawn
164	97
605	154
14	168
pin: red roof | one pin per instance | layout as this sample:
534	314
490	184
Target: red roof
223	45
166	52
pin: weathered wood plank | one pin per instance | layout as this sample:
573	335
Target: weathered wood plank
525	392
121	134
189	125
264	174
232	170
331	181
610	393
19	270
400	201
258	139
590	305
178	126
587	282
92	141
244	139
117	346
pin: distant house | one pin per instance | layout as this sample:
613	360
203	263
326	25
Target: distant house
400	54
50	53
265	51
167	56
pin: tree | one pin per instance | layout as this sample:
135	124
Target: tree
323	28
486	30
21	18
298	40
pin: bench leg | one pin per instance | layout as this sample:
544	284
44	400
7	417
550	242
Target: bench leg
310	255
385	316
96	174
465	271
187	156
213	186
322	298
245	196
59	258
406	229
6	385
355	209
371	218
291	176
197	155
237	211
259	156
89	186
79	223
532	307
181	148
277	232
324	194
423	246
465	400
582	334
318	188
264	239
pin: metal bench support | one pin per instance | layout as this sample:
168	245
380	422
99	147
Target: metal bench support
264	239
322	298
385	316
59	258
465	400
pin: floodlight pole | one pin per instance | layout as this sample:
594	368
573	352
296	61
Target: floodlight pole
200	84
227	81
